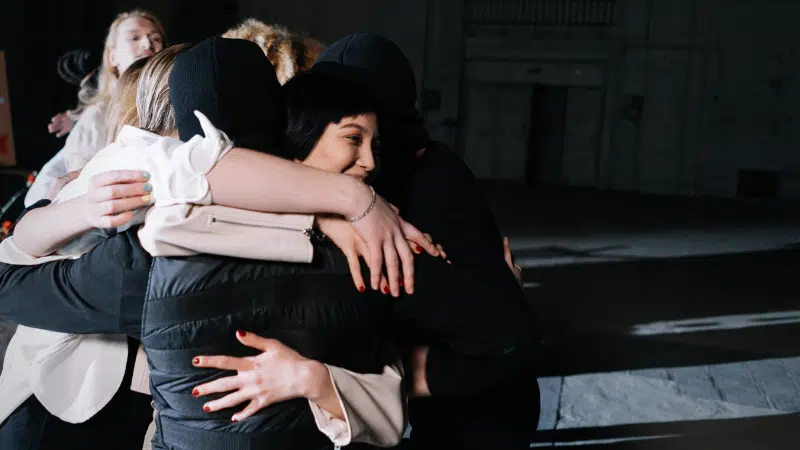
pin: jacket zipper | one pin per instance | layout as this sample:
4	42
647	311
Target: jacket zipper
309	232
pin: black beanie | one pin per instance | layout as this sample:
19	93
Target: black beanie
235	86
383	68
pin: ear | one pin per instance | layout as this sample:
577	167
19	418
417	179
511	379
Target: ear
112	58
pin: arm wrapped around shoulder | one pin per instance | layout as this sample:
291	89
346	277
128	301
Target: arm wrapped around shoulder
177	170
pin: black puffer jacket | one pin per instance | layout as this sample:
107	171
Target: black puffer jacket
194	307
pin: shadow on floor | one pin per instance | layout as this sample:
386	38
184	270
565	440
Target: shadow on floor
589	313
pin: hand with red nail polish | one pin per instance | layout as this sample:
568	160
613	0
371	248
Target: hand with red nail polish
398	273
277	374
341	233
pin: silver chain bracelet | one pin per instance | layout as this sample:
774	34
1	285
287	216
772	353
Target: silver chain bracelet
369	208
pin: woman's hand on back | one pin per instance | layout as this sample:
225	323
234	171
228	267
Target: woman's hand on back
344	235
110	201
277	374
114	197
386	236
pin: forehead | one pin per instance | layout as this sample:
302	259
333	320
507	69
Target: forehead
368	121
133	24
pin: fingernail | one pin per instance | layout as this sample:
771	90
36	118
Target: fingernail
241	333
148	187
146	175
386	290
361	289
196	393
196	361
146	198
207	408
234	419
449	262
418	249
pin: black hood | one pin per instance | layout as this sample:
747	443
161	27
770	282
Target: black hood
235	86
383	68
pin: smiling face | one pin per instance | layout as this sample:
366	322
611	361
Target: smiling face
332	124
347	147
136	37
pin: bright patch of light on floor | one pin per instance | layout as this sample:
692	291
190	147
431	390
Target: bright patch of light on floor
716	323
603	441
599	247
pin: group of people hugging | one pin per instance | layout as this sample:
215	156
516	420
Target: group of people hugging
236	252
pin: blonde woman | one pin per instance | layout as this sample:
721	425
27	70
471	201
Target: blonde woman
132	35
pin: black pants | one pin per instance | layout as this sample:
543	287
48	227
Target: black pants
503	419
120	425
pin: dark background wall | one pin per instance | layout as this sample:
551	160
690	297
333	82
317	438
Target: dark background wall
687	97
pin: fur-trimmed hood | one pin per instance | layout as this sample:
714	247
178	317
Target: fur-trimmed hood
288	52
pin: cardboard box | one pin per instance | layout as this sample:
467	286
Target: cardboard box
7	155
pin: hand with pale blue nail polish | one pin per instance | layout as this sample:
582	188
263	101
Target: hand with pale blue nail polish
115	197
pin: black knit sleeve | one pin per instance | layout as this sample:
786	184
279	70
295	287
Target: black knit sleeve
472	313
100	292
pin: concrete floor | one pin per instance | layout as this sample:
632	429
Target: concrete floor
666	323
